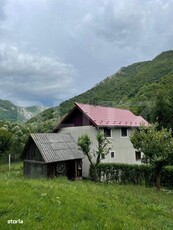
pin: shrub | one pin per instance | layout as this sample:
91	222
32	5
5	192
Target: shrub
133	174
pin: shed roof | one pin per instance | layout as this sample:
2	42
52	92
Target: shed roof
56	147
108	116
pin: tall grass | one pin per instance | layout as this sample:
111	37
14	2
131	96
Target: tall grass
63	204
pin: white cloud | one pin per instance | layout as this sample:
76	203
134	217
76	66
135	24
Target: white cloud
34	77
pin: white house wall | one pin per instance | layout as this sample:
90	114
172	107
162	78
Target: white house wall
121	146
78	131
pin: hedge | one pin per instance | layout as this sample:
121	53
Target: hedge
133	174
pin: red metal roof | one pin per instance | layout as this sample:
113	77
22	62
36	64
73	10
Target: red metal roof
107	116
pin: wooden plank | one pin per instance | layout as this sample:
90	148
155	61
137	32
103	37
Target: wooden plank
35	162
76	169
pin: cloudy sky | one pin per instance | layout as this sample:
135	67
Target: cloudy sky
51	50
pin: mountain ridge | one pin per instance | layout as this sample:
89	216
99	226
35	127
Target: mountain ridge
133	87
11	112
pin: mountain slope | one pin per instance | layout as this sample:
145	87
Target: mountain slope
134	87
12	112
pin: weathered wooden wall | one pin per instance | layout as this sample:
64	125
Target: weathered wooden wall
35	169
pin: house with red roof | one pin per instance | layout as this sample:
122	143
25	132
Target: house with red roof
116	124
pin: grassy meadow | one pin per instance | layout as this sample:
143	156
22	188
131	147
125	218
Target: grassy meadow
62	204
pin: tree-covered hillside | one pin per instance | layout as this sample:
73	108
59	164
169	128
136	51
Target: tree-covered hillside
12	112
137	87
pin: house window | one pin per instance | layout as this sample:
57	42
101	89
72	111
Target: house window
124	132
107	132
138	155
112	154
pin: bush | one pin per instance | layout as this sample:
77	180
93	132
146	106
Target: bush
167	177
133	174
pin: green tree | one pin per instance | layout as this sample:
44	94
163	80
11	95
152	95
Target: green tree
162	112
18	134
157	146
5	142
94	157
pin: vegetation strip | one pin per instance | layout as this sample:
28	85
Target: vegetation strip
62	204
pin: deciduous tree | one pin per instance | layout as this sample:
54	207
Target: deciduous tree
94	157
157	147
5	141
162	112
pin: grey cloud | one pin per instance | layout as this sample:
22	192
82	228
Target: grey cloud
95	37
2	13
132	23
119	28
33	76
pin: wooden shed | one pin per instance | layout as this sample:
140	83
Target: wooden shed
52	155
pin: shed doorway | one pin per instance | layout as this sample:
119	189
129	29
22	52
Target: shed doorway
74	169
71	165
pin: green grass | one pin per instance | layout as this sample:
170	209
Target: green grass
62	204
14	167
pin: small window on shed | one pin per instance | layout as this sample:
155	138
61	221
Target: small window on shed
124	132
107	132
138	155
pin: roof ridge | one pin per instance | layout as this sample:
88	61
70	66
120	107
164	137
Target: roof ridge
102	106
56	151
107	116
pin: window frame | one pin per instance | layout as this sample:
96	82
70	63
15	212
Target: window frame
121	132
112	151
138	155
107	128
